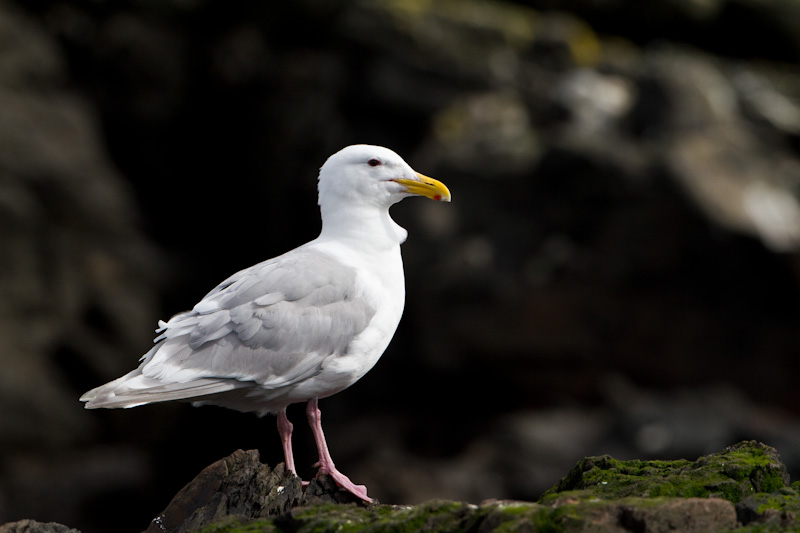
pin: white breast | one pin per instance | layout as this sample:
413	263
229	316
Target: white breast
380	280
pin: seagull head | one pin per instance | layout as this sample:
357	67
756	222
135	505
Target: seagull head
365	175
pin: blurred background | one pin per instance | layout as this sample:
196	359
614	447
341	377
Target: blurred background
618	272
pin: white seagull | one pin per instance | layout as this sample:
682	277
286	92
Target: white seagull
302	326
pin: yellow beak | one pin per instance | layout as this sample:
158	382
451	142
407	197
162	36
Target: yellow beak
427	187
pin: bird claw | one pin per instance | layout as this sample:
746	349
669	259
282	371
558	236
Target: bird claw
343	481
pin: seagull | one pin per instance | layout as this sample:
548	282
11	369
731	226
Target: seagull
299	327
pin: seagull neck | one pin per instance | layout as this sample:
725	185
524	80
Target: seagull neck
364	227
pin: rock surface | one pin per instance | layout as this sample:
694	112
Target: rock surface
733	474
241	486
32	526
741	488
717	492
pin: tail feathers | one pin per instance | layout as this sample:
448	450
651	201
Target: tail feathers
134	389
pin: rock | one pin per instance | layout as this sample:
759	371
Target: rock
743	484
32	526
780	508
746	482
437	515
690	514
735	473
241	486
599	494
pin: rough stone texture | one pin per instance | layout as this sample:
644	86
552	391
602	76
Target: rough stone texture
582	502
779	509
32	526
690	514
601	494
241	486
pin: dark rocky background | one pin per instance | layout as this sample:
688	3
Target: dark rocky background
618	272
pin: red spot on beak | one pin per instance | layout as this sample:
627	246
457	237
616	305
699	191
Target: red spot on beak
438	197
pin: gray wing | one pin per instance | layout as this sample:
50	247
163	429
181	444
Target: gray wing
273	324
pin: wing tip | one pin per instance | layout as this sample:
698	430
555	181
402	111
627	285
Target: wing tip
109	400
135	390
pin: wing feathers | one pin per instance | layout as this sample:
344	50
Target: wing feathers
135	389
269	299
271	325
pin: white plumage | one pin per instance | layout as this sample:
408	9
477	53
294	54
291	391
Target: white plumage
299	327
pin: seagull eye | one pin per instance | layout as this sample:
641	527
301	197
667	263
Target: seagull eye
374	162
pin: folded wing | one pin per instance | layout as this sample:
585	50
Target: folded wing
269	326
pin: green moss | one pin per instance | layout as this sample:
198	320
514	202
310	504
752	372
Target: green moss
785	500
436	515
733	474
232	525
514	509
505	516
331	518
571	514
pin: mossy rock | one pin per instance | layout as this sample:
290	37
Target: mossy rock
744	484
437	515
744	488
776	511
739	471
633	514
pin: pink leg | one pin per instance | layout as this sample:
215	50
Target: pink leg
326	465
285	430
